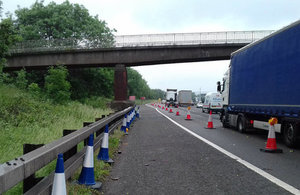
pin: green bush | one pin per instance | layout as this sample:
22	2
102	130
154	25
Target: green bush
21	81
56	85
34	89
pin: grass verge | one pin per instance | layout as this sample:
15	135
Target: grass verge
25	118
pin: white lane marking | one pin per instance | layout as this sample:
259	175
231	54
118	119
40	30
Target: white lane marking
247	164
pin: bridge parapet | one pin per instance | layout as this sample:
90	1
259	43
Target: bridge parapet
190	38
204	38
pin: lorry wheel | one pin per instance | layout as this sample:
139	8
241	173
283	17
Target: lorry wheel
241	124
290	133
202	110
224	121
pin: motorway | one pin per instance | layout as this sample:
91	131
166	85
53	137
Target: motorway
166	154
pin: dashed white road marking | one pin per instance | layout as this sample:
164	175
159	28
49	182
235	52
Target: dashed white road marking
247	164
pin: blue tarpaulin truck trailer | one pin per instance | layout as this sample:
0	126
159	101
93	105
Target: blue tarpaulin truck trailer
263	81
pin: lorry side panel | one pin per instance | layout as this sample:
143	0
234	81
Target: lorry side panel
265	78
185	97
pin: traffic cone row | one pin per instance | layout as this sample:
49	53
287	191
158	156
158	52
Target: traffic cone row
87	176
271	145
188	117
124	124
138	112
129	118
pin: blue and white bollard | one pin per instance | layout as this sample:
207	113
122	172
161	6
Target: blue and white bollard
103	153
124	125
59	181
87	176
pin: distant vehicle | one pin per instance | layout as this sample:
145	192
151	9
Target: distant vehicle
185	98
163	101
132	98
263	82
199	105
212	102
171	98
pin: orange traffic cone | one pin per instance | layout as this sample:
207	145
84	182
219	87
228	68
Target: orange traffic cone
188	116
271	142
171	111
177	112
166	108
210	124
163	107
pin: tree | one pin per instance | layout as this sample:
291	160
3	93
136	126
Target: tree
66	22
194	96
8	37
157	93
137	86
62	21
92	82
56	85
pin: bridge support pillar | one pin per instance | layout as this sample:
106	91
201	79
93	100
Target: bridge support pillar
120	88
120	85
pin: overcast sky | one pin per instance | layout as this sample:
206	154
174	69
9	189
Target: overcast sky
130	17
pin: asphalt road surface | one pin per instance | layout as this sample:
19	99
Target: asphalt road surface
164	154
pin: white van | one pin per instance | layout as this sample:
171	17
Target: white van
213	102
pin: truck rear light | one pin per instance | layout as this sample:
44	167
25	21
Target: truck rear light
251	122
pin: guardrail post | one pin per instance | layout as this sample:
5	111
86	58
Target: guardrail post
68	154
30	181
102	129
98	119
87	139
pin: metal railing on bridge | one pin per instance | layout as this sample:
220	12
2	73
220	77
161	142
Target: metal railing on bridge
190	38
143	40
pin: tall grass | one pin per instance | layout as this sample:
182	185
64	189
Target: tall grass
26	119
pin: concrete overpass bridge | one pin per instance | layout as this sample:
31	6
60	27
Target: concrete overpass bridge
131	50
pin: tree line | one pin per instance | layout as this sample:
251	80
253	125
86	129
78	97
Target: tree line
65	21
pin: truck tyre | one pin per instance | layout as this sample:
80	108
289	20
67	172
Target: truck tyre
290	134
202	109
241	124
224	119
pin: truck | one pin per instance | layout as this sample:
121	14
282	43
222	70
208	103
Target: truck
212	102
171	98
185	98
263	81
